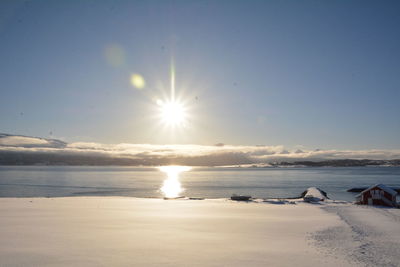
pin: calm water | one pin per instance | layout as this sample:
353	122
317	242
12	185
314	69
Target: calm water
44	181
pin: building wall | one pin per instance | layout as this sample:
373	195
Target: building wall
372	193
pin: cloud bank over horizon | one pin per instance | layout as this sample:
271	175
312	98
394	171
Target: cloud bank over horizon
193	155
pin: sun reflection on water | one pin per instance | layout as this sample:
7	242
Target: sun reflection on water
172	187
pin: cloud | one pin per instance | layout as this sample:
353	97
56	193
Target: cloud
34	150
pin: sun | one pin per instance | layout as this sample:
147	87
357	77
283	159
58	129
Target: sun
173	113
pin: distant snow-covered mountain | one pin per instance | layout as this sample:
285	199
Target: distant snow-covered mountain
29	141
28	150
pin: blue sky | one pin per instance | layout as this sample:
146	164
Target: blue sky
318	74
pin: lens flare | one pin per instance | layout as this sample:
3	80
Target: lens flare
138	81
115	55
172	187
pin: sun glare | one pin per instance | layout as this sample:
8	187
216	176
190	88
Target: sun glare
173	113
172	187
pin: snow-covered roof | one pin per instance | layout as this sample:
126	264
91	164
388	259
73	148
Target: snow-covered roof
381	186
315	193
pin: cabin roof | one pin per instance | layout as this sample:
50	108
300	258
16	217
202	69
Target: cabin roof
381	186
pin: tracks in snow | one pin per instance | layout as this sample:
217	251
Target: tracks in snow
369	236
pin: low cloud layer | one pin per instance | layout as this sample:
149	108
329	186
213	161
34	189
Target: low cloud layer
33	149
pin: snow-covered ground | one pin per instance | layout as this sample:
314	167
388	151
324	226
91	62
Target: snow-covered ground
116	231
368	235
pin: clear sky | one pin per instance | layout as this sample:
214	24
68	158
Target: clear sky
319	74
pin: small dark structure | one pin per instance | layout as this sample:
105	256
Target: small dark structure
172	198
240	197
378	194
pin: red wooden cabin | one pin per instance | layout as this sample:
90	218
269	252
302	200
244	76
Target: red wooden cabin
378	194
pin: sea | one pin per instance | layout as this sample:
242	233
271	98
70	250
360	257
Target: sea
199	182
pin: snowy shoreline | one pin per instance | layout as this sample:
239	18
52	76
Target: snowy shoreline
124	231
